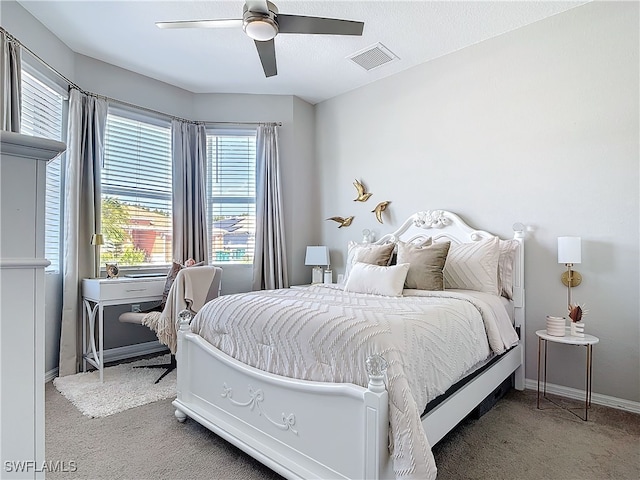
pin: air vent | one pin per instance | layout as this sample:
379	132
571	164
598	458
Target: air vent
373	56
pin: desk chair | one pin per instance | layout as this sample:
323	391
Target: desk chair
192	288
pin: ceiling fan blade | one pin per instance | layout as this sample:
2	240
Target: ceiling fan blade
257	6
267	53
222	23
318	25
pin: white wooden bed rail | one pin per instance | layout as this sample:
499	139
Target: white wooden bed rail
298	428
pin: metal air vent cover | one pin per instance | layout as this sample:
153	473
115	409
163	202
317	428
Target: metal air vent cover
373	56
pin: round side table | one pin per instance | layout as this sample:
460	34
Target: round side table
587	341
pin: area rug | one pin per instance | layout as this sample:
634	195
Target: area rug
124	387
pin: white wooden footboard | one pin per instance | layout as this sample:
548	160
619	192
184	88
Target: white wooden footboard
298	428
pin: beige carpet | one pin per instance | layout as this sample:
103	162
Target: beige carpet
512	441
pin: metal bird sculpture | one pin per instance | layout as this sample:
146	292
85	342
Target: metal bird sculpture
344	222
381	207
363	196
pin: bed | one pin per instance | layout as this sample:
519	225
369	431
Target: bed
314	399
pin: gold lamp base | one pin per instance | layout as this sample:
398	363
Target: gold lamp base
576	278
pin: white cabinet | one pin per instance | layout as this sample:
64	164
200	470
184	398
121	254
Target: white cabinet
23	161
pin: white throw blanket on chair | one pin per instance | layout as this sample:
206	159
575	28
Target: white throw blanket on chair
190	291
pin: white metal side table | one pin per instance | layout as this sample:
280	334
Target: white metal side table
587	341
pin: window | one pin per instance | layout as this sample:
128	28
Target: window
136	191
231	193
42	116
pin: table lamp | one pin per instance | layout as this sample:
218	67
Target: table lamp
570	253
317	256
97	239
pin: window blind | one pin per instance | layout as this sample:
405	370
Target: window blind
231	193
136	192
42	116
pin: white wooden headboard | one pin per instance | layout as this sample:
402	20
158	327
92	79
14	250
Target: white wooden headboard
443	225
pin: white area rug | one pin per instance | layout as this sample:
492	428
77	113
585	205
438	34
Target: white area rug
124	387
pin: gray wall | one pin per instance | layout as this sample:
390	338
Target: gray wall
538	126
296	150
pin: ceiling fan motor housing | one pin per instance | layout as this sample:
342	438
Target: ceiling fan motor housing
260	26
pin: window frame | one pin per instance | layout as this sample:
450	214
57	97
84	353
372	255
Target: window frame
156	120
30	67
252	200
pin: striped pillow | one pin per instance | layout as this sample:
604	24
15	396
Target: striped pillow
473	266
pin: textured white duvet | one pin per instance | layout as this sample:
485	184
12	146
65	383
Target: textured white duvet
429	339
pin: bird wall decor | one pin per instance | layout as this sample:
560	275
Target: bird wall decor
381	207
344	222
363	196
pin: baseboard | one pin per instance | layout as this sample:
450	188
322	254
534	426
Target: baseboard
50	375
121	353
130	351
597	398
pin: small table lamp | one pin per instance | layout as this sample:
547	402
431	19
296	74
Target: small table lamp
570	253
317	256
97	239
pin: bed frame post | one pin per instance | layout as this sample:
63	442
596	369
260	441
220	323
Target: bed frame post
376	419
185	317
519	301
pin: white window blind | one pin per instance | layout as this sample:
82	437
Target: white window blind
136	192
231	192
42	116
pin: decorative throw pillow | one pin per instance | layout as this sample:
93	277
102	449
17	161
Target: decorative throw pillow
173	273
368	253
426	264
421	242
505	267
171	276
473	266
377	280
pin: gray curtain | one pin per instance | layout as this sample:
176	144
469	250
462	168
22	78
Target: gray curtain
270	258
189	150
11	78
85	150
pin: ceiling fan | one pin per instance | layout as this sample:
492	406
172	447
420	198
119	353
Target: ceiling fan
262	22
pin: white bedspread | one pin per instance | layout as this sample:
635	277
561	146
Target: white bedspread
429	339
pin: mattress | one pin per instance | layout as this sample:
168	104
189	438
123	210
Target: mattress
321	333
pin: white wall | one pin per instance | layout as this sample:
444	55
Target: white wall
538	126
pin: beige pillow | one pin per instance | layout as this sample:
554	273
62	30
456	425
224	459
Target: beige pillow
473	266
368	253
426	264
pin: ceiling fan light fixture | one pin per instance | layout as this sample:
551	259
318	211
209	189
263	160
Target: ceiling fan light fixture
260	27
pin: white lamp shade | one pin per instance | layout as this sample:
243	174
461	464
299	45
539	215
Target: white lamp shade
569	250
318	255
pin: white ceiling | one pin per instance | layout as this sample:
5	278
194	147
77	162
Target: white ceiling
312	67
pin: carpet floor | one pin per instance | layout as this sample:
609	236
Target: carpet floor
514	440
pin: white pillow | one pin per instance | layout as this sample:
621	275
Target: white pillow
473	266
505	267
367	278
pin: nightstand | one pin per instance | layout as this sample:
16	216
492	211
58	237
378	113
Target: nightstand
587	341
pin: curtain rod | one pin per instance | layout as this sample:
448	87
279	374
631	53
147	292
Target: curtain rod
121	102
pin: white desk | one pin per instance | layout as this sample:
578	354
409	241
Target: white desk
98	293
